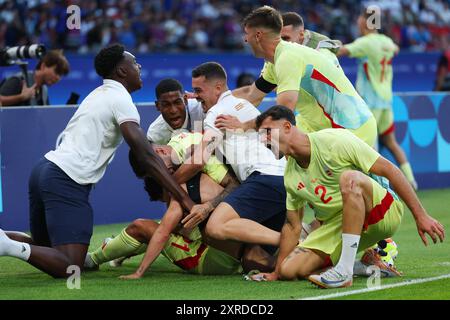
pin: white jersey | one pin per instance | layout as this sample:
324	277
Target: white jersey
93	135
244	151
160	132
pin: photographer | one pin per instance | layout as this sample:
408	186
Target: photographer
48	72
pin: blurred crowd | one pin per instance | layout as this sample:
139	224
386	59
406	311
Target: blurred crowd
208	25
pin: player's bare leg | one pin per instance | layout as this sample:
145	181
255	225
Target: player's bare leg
130	242
225	224
19	236
53	261
390	142
142	229
301	263
252	256
356	190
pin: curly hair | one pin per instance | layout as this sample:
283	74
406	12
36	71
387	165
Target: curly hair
107	60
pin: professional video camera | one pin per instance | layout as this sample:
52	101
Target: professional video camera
10	56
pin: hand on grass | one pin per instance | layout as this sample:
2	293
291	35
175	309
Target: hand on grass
265	277
432	227
133	276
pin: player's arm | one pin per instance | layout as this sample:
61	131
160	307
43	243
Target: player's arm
396	49
425	223
343	51
290	233
356	49
289	71
255	92
200	156
200	212
162	233
289	236
288	99
154	166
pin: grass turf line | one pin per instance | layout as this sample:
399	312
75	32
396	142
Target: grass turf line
164	281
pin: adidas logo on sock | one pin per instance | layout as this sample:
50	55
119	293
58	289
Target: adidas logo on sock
355	245
23	249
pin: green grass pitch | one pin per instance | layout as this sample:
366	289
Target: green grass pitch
165	281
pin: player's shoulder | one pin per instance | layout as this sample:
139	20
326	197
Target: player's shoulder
159	122
243	105
185	136
226	100
367	39
116	95
286	50
331	136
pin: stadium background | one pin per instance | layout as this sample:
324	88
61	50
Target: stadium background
170	37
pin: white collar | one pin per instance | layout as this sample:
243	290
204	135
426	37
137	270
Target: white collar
114	83
306	37
224	95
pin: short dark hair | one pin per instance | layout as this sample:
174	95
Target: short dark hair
168	85
266	17
55	58
153	188
276	112
292	19
211	70
244	79
107	60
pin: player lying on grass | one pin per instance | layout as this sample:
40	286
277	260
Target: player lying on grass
189	250
328	169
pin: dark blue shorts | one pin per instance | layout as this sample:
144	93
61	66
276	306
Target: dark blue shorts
261	198
60	212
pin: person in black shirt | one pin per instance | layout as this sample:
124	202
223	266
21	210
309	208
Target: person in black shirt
49	71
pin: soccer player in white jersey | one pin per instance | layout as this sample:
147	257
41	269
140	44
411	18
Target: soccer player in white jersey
61	217
254	211
178	113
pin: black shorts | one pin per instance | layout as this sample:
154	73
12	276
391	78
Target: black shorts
261	198
193	188
60	212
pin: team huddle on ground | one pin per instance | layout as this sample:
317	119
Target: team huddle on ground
236	181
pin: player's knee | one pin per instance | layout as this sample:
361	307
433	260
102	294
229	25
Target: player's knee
288	271
135	229
350	184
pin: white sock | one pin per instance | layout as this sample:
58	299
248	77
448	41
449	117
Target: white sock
14	248
350	243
